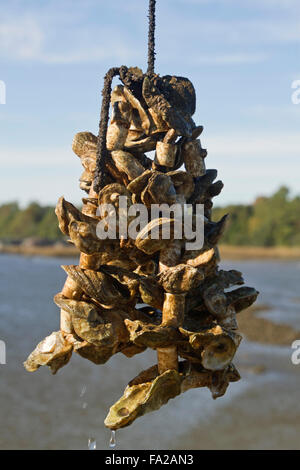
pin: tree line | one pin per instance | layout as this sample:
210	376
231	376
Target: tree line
35	220
269	221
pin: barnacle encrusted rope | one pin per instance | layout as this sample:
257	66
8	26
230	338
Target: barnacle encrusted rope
151	37
100	172
99	179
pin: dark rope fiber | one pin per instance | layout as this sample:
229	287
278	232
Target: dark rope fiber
100	172
151	37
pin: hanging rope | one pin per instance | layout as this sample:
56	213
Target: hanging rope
151	37
100	172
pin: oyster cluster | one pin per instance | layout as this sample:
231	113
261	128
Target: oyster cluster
126	295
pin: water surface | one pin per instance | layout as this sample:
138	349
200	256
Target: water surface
41	411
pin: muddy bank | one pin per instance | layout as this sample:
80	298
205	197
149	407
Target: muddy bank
227	252
48	250
259	252
264	331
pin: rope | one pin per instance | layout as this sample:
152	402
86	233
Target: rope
133	83
151	37
100	172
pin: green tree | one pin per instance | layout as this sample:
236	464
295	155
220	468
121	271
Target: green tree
270	221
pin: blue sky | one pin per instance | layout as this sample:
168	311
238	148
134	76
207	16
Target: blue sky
242	57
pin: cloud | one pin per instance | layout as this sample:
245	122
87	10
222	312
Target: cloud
42	157
282	4
255	146
55	33
271	111
46	189
238	32
117	51
230	59
40	174
20	39
29	39
254	164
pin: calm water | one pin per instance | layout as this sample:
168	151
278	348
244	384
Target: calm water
66	411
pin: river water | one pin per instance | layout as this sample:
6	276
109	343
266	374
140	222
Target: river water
66	411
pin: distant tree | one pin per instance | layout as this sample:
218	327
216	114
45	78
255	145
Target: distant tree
33	221
270	221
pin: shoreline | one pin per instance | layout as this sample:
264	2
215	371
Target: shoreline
48	251
259	252
227	252
264	331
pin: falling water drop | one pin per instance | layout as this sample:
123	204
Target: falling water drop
92	444
83	390
112	442
84	405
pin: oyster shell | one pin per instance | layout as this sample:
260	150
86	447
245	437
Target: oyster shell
215	300
97	355
99	286
110	192
150	390
54	351
151	238
142	117
66	213
138	184
215	346
116	136
215	230
98	326
151	292
165	154
159	190
143	398
242	298
180	278
159	105
200	258
183	183
84	144
127	163
193	157
151	335
201	186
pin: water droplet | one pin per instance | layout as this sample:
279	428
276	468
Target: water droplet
84	405
92	444
83	390
113	442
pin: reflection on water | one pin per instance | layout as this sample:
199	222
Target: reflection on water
39	411
92	444
278	284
